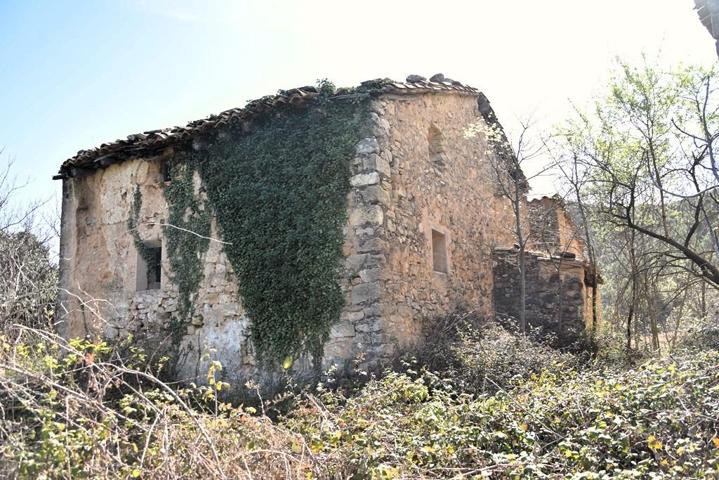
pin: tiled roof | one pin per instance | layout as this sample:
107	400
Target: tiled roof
155	141
708	11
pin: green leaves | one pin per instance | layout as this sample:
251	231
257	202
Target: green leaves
279	193
657	420
654	421
187	237
640	164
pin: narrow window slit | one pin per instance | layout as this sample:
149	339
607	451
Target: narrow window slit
435	145
439	252
166	171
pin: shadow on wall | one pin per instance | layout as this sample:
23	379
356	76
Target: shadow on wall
555	294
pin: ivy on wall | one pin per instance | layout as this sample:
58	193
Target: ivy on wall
186	236
133	224
279	194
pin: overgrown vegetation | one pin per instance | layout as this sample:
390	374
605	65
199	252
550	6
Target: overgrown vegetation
28	281
80	410
92	413
478	402
187	236
654	421
28	273
483	357
641	169
279	193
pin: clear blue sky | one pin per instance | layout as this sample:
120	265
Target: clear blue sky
79	73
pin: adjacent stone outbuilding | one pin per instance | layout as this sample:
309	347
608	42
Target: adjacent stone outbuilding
423	233
561	282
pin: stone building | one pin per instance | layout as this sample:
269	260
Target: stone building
562	296
425	232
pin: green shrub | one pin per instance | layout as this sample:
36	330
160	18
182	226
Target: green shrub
706	336
484	357
655	421
92	413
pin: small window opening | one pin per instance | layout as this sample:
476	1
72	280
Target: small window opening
166	171
435	141
439	252
149	267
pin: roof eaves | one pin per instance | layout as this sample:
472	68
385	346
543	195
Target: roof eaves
155	141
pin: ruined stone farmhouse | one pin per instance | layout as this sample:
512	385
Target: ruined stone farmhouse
314	228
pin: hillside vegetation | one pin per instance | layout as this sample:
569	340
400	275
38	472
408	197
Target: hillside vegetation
502	406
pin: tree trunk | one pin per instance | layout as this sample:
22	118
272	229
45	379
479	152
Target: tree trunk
522	292
629	328
595	310
655	333
522	264
632	306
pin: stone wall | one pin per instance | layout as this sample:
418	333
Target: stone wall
100	262
424	220
552	230
429	176
543	225
98	255
557	301
99	271
354	340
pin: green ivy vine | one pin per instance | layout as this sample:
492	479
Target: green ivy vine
186	235
279	193
133	224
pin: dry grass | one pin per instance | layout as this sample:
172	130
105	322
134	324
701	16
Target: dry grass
80	410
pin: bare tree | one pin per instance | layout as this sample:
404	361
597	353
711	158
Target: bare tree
12	213
576	179
506	162
28	277
642	162
648	170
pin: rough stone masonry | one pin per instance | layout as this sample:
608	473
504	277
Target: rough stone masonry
427	232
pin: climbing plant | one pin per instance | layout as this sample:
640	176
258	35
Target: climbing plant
133	223
279	193
186	235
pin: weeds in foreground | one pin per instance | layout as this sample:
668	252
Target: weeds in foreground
80	410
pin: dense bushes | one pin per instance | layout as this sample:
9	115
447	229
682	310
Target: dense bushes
527	412
79	410
655	421
28	280
484	357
